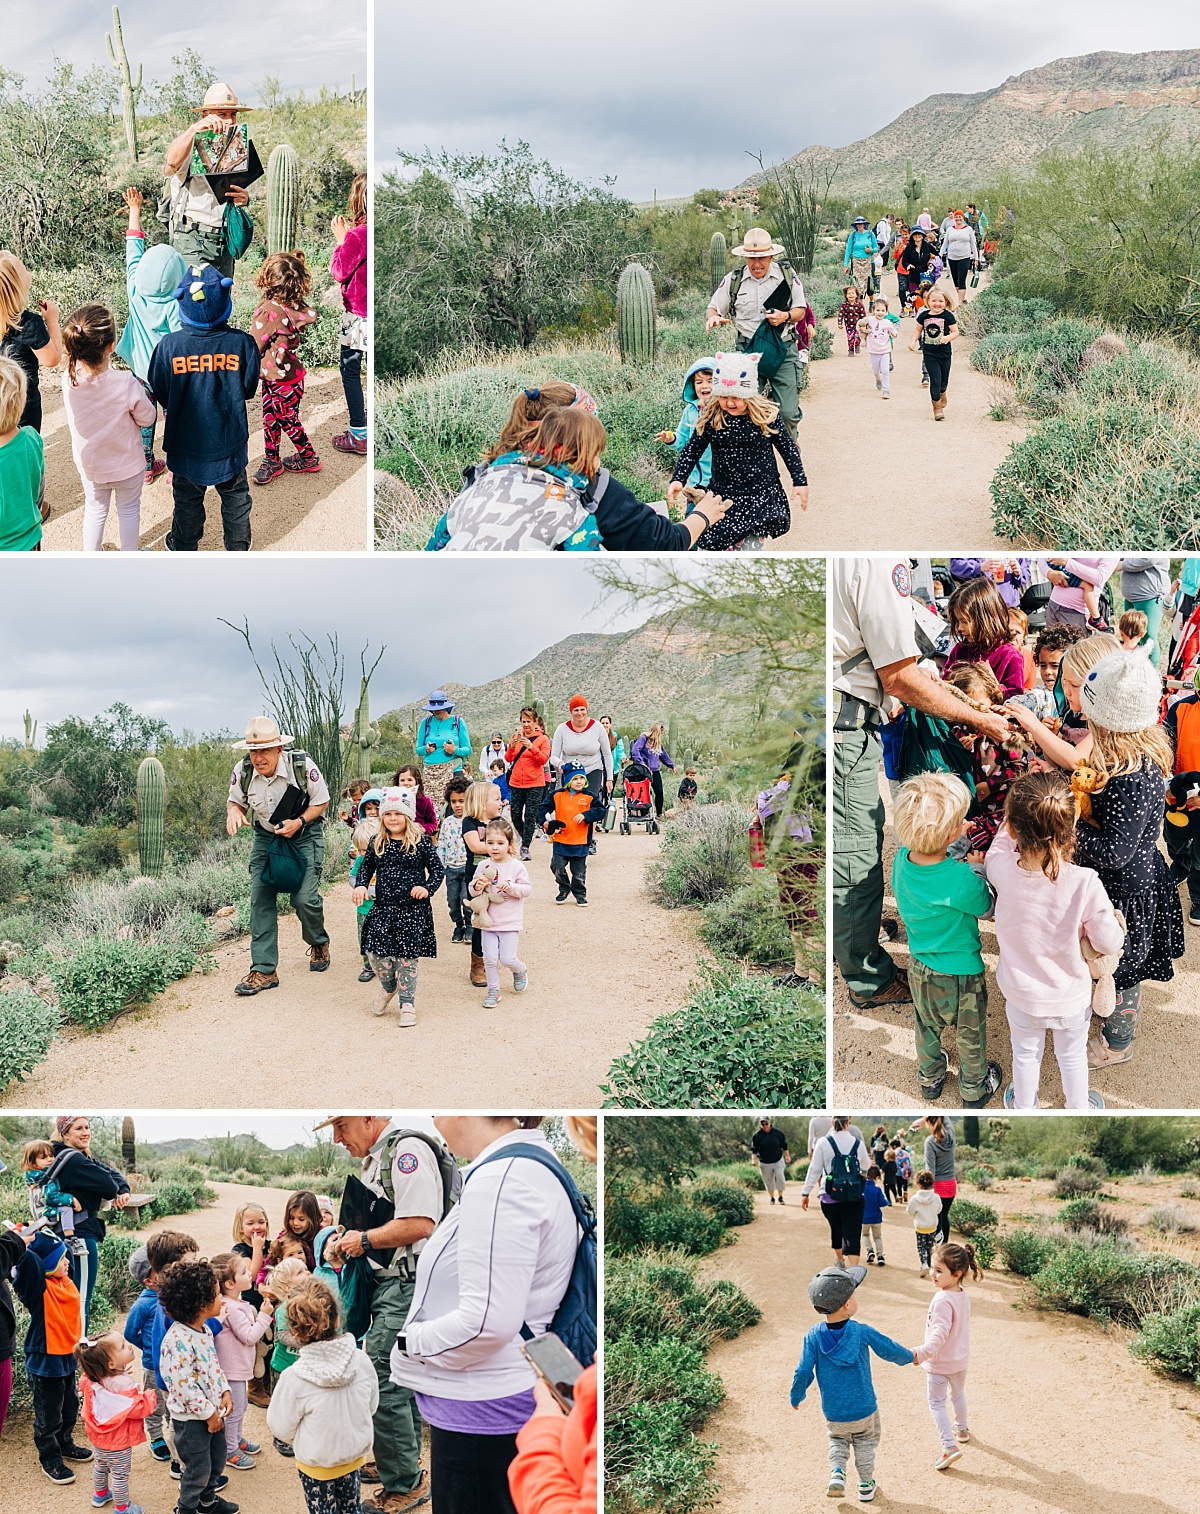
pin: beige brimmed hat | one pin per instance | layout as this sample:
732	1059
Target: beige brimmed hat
261	734
759	244
219	96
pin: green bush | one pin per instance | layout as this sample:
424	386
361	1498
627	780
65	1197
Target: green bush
104	977
1099	1281
113	1275
749	924
821	345
982	1177
653	1461
1085	1161
1072	1182
1025	1251
27	1027
969	1218
1171	1341
652	1296
12	873
986	1243
733	1203
682	1227
175	1198
1080	1214
704	856
738	1043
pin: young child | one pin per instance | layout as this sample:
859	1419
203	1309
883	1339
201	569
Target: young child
405	868
286	1276
978	618
507	914
1064	738
198	1395
250	1239
993	767
152	276
940	901
55	1327
851	313
697	390
365	831
880	333
1132	627
22	468
1044	904
29	338
567	816
409	778
349	269
324	1405
925	1206
278	324
353	794
203	375
328	1265
115	1411
106	410
301	1221
904	1167
58	1206
1018	626
500	778
837	1352
688	788
325	1205
875	1201
744	433
242	1328
162	1249
452	850
945	1353
936	331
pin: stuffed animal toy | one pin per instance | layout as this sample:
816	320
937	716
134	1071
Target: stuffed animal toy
1102	967
1182	787
481	918
1085	781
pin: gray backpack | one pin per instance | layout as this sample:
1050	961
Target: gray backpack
512	507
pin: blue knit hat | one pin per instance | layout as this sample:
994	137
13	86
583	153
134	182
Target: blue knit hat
49	1248
571	770
204	297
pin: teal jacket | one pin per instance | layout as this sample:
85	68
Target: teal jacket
686	429
151	279
860	244
447	728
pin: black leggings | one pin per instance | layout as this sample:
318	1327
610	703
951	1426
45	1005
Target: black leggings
942	1234
523	806
937	365
656	785
468	1473
351	366
845	1225
959	268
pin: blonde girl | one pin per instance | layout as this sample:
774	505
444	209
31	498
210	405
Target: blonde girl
743	433
23	505
936	330
31	338
251	1238
482	803
1071	744
406	870
946	1350
506	913
106	409
284	1279
1120	701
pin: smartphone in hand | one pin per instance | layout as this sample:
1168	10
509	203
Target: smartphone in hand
558	1368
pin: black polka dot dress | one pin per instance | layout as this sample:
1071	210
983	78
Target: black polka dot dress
1125	854
399	925
746	474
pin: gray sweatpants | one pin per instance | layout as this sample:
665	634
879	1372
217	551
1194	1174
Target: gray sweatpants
773	1176
861	1434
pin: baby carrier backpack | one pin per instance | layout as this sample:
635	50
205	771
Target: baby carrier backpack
37	1203
515	507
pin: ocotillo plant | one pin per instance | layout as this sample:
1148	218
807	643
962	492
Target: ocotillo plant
283	199
637	315
131	88
913	190
128	1145
716	258
151	801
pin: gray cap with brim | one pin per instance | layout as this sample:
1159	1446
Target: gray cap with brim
831	1287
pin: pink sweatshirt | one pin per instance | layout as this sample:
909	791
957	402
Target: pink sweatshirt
242	1327
947	1344
1094	570
104	412
1038	928
509	913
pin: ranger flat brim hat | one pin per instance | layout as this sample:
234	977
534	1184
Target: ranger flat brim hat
219	96
759	244
261	735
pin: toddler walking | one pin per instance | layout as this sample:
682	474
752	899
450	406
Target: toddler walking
875	1201
115	1411
880	333
277	327
850	316
197	1392
106	410
500	938
946	1349
925	1206
452	850
242	1327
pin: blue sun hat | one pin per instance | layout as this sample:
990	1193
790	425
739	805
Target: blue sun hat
438	703
204	297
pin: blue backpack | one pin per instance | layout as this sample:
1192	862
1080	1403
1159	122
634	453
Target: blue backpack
574	1320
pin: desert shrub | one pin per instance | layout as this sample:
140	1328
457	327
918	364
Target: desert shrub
821	345
1071	1182
1099	1280
986	1243
113	1275
682	1227
637	1371
1042	364
27	1027
703	856
731	1201
655	1295
981	1177
1150	375
738	1042
969	1218
996	310
749	923
1169	1220
1084	1161
104	977
1013	1169
1171	1341
1026	1251
12	873
1087	1214
175	1198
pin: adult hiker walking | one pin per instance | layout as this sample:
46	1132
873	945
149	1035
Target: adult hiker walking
279	791
912	263
584	741
650	749
765	295
769	1153
443	741
93	1183
861	250
838	1166
404	1189
201	228
527	755
939	1159
960	250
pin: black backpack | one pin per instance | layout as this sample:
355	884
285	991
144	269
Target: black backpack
844	1181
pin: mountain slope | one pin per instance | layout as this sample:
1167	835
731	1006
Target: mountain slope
960	142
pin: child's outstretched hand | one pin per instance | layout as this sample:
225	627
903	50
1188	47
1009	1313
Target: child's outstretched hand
664	436
133	198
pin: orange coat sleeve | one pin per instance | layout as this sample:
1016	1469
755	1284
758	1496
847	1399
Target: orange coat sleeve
555	1471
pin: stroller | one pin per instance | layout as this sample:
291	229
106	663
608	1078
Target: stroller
637	801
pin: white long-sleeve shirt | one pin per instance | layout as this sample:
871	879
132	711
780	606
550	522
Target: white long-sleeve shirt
959	242
589	748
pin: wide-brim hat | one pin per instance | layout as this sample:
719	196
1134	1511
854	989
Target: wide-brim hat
759	244
219	96
859	221
261	735
917	230
437	702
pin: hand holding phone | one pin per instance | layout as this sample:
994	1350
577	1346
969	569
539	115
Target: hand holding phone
557	1367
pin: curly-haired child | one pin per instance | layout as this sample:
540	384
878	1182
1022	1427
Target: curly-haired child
278	324
198	1395
850	312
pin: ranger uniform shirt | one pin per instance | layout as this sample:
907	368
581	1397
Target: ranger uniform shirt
752	293
264	794
870	610
416	1182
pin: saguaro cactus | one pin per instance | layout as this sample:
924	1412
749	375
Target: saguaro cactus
716	258
283	199
913	190
528	690
365	737
151	801
131	88
31	726
128	1145
672	735
637	315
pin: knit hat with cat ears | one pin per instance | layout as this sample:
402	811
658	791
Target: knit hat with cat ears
736	375
1122	693
399	801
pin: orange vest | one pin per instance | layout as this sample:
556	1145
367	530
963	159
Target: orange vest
1187	736
570	808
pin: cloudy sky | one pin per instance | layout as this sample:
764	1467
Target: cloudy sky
670	97
78	635
306	42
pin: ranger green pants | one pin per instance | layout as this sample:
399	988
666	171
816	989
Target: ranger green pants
264	908
941	1000
783	387
858	863
196	246
397	1421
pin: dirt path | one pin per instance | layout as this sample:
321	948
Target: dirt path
597	977
310	512
875	1057
1062	1421
884	475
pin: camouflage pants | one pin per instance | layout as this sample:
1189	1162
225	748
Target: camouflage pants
941	1000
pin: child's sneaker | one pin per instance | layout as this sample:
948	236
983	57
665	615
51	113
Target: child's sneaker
492	1001
160	1450
282	1447
408	1016
866	1491
581	904
879	383
221	1505
100	1499
880	1262
870	1257
837	1483
345	442
269	468
367	973
950	1454
59	1472
72	1452
250	1447
934	1090
1095	1099
302	462
961	1435
156	470
992	1080
520	982
924	1270
175	1470
562	896
240	1462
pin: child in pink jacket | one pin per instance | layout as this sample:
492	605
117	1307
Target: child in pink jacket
242	1327
946	1350
506	912
349	268
114	1415
1044	905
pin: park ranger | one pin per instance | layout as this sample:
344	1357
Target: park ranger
750	286
269	781
874	649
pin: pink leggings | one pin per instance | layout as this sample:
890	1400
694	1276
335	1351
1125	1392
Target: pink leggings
5	1390
500	949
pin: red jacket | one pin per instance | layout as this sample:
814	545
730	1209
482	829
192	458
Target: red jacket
127	1428
554	1471
528	767
349	268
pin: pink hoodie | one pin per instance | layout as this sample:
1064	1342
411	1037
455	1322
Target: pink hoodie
508	913
242	1327
947	1346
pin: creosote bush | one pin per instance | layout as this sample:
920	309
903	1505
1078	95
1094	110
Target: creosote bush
969	1218
1072	1182
730	1200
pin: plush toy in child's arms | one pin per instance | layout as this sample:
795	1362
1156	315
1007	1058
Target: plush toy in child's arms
1184	787
481	918
1085	781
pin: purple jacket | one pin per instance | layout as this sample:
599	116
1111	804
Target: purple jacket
349	268
1011	587
640	752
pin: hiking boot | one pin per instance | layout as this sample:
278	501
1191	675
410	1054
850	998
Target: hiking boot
156	470
160	1450
344	442
255	982
269	468
72	1452
992	1080
398	1503
59	1472
302	462
408	1016
318	957
367	973
369	1472
895	992
258	1393
837	1483
478	972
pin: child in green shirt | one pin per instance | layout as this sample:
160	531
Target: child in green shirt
940	900
22	470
